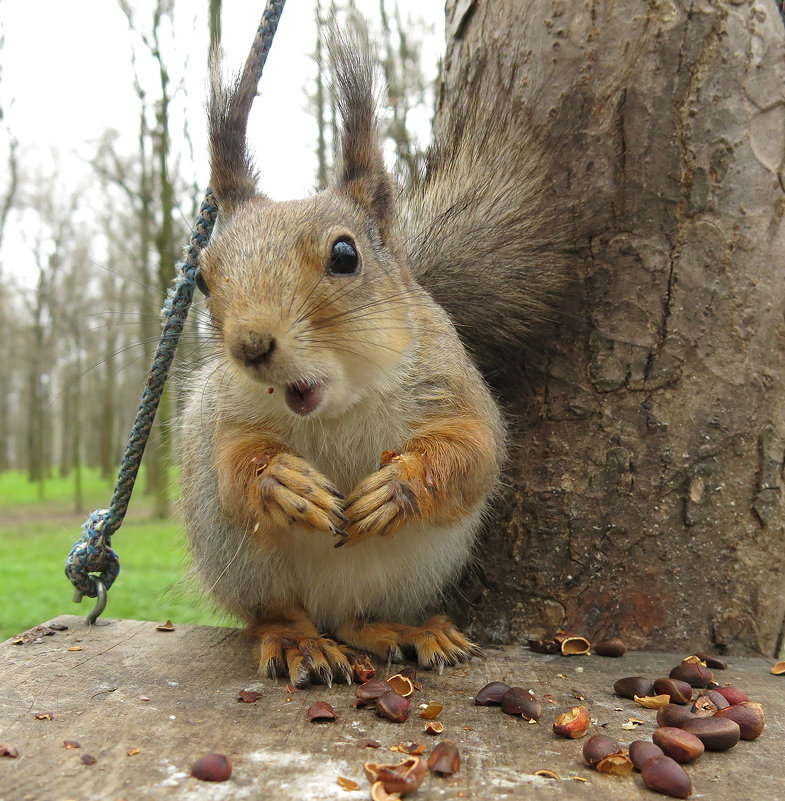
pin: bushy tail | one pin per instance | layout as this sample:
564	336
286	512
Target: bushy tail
484	236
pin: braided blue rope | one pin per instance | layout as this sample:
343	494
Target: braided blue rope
92	566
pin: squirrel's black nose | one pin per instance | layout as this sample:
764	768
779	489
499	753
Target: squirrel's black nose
254	349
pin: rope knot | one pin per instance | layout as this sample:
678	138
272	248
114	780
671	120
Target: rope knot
92	554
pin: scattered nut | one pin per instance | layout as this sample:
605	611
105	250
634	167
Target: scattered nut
597	747
716	733
573	724
444	759
631	686
68	744
88	759
673	715
320	711
664	775
393	706
749	717
517	701
712	661
679	691
212	768
731	694
694	673
7	750
641	751
613	647
678	744
491	693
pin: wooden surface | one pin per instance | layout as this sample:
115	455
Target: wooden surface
192	675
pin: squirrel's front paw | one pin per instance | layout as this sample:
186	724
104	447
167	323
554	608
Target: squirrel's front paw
288	491
401	491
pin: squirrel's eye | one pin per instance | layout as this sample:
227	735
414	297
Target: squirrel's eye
343	259
201	284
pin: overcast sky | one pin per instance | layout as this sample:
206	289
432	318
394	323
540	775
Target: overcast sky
67	77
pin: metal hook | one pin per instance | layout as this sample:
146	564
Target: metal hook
100	603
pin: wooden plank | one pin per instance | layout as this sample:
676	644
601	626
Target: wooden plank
191	676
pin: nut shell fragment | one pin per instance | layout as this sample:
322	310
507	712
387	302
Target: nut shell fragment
444	759
574	645
393	706
402	685
403	778
320	711
573	724
778	669
431	711
653	701
434	727
618	764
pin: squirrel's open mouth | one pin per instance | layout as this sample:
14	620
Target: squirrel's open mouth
304	397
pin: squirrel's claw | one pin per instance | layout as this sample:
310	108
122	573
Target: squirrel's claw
291	492
304	659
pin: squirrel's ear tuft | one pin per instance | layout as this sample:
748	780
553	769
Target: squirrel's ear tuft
361	173
232	174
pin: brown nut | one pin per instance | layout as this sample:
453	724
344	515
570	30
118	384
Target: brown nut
641	751
613	647
749	717
212	768
666	776
597	747
491	693
393	706
712	661
573	724
679	691
678	744
403	778
731	694
444	758
673	715
631	686
695	674
716	733
517	701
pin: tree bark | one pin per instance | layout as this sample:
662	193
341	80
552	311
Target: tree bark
643	496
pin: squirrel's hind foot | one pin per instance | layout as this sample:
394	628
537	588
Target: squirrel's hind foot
303	658
438	642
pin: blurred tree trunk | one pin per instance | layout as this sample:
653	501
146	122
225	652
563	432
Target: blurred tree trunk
644	492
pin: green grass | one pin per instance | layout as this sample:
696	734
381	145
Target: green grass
36	536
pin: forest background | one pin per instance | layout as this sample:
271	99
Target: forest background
104	168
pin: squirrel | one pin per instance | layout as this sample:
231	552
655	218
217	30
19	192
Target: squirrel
341	445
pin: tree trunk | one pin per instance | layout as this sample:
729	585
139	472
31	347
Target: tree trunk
643	495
